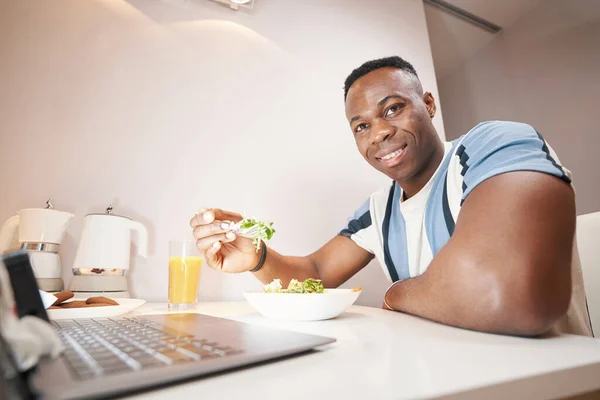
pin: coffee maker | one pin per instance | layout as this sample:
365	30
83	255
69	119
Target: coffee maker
40	231
104	254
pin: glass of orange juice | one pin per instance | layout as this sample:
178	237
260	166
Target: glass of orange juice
184	274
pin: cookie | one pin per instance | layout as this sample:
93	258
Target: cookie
74	304
98	305
54	308
62	297
101	300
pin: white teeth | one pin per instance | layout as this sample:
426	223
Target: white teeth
392	155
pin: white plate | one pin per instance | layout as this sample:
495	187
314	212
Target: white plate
302	306
125	305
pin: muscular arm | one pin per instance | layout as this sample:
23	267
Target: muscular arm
506	268
334	263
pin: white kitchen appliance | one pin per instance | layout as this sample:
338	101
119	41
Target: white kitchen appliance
104	255
40	231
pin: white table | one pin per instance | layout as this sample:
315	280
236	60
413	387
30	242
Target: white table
386	355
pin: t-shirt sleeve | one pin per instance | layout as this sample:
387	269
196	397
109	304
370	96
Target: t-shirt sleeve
360	227
493	148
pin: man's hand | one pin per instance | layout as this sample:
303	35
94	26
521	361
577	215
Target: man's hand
222	249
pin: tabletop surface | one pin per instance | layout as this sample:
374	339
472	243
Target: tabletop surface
384	355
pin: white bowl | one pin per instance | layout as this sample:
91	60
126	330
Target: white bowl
302	306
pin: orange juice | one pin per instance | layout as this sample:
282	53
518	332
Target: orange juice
184	276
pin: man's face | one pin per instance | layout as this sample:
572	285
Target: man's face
391	121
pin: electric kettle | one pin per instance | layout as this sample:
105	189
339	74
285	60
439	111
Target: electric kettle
40	231
104	253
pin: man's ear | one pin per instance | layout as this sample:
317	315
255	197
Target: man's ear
430	104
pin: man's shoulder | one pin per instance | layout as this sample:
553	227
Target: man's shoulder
382	193
376	200
491	133
497	137
495	147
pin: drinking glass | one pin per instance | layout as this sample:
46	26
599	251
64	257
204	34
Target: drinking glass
184	274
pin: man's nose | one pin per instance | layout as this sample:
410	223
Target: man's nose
380	132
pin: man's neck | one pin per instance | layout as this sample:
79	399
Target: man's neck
418	181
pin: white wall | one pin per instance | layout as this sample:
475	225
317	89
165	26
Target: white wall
543	70
453	39
164	106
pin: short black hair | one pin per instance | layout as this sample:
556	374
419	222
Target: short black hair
369	66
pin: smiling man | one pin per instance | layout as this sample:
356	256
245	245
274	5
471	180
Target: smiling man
477	233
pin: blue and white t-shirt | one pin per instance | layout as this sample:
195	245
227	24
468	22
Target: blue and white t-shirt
405	235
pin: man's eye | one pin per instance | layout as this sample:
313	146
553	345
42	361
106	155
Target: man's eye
360	127
392	110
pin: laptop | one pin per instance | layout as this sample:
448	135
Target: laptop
109	357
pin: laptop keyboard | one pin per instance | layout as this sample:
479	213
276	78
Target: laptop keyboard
105	346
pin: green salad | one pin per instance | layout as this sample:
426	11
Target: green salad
257	230
310	285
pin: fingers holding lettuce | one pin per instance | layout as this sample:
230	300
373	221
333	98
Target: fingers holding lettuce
229	242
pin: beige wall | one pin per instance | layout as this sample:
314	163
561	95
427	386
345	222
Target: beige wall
543	70
164	106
